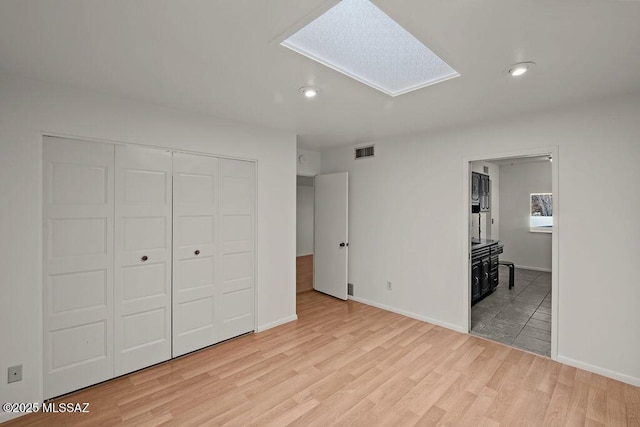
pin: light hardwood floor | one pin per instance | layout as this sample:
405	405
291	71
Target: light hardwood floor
344	363
304	273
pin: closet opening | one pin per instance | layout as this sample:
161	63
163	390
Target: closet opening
148	254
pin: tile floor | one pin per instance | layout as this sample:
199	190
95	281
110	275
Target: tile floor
520	317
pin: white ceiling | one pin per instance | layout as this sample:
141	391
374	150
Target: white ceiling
223	57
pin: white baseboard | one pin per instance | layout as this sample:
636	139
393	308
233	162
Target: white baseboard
600	371
416	316
277	323
525	267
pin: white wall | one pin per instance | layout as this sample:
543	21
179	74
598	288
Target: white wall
304	220
27	109
308	162
406	224
521	246
490	230
308	165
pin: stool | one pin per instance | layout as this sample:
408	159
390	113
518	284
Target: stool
512	271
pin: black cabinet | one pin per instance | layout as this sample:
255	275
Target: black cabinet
484	268
485	282
485	193
480	193
475	192
476	292
494	252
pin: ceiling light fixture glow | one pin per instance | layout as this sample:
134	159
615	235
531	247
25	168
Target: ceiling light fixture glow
309	92
520	68
357	39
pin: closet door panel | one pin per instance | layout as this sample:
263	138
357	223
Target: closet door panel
78	221
237	247
148	254
143	191
195	257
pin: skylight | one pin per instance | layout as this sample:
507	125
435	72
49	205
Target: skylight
359	40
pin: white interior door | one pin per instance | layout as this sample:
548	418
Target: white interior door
236	246
142	335
331	245
195	288
78	211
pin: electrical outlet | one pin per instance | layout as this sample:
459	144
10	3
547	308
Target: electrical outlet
14	374
389	287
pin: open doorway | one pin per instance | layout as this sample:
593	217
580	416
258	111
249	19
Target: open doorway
304	233
512	289
322	246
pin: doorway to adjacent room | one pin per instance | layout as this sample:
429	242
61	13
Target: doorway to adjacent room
322	245
304	232
511	240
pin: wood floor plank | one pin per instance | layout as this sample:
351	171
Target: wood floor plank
296	412
479	408
432	417
357	416
597	405
453	415
559	405
345	363
304	273
616	413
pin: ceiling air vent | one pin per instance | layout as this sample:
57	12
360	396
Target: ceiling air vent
364	152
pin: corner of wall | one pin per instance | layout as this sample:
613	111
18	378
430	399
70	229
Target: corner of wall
309	163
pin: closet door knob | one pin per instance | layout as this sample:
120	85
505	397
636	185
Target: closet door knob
144	258
197	252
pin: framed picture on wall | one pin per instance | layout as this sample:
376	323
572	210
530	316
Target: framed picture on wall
541	213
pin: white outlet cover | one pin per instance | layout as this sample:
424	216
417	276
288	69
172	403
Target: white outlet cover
14	374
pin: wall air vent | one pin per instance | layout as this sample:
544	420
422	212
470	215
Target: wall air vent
364	152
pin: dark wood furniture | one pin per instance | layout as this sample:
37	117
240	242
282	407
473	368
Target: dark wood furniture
484	267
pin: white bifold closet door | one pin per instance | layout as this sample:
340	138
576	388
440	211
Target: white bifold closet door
213	258
78	220
142	281
148	255
195	258
236	247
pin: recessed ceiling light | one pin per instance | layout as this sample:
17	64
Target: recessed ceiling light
357	39
520	68
309	91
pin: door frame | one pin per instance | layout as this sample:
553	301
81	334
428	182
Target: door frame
306	175
553	151
44	134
